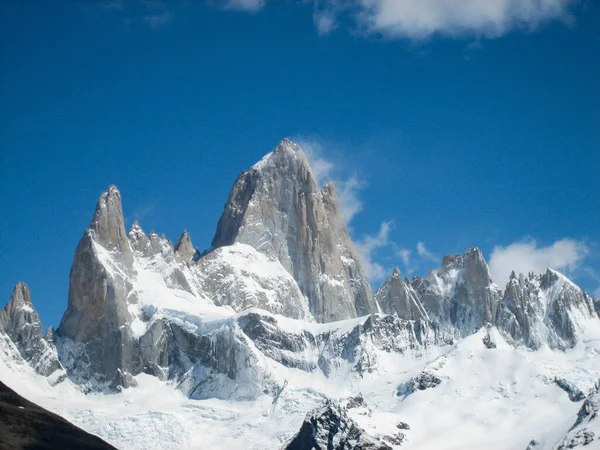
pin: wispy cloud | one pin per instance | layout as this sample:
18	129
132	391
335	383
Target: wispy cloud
325	21
525	256
245	5
424	253
141	211
366	248
421	19
324	170
158	20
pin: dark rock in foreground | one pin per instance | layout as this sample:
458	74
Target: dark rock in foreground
329	427
24	425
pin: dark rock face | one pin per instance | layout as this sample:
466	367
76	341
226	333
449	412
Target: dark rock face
329	427
399	297
277	208
425	380
21	323
25	425
575	395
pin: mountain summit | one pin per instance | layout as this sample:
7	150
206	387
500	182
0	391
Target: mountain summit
277	208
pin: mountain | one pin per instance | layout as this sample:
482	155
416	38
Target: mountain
460	292
396	296
277	208
21	324
545	309
272	338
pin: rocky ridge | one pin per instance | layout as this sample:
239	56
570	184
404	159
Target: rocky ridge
282	286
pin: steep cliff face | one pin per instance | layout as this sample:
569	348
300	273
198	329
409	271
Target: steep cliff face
461	292
544	309
398	297
21	324
100	292
277	208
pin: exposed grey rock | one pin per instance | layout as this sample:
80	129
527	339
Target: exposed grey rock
425	380
356	401
544	309
575	394
398	297
139	241
461	292
487	340
403	426
277	208
21	323
100	292
329	427
184	250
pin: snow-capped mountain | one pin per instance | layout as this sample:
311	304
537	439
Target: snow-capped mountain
275	332
277	208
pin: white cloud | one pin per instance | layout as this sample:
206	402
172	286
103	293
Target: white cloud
348	200
404	253
158	20
245	5
426	254
366	248
526	256
420	19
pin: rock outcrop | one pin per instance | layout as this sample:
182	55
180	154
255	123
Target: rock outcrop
277	208
586	428
461	292
396	296
21	323
544	309
184	250
24	424
329	427
100	293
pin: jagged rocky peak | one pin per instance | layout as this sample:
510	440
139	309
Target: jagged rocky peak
20	320
138	239
184	249
21	323
461	292
277	208
100	290
329	426
396	296
107	224
546	309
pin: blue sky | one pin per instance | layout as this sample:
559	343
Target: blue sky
443	127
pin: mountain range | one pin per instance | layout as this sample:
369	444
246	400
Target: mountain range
275	330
